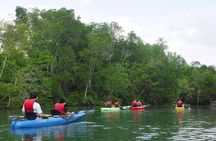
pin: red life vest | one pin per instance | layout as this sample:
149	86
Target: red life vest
139	103
108	103
179	103
134	103
117	104
28	105
60	107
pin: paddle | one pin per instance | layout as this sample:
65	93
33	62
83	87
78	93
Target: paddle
66	116
88	112
16	117
124	107
146	105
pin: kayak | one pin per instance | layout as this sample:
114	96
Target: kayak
137	108
50	121
179	108
112	109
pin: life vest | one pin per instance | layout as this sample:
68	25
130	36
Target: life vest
117	104
139	103
108	104
179	103
28	105
134	103
60	107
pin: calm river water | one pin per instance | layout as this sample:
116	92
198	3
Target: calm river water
154	123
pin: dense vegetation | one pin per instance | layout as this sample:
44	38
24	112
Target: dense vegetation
54	53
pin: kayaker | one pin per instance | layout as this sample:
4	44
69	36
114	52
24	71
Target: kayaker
179	103
61	108
139	103
134	103
31	107
117	103
108	103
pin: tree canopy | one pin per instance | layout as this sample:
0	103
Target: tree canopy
54	53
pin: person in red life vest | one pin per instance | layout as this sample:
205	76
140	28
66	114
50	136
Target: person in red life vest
117	103
31	107
108	103
134	103
60	108
179	103
139	103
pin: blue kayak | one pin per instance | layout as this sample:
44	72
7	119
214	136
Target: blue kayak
51	121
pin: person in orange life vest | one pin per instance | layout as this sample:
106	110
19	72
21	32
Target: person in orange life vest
31	107
61	107
108	103
139	103
117	103
134	103
179	103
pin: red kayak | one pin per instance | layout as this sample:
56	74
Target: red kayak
137	108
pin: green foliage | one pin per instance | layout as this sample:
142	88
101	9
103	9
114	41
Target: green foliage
54	53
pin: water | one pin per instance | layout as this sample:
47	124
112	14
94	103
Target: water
154	123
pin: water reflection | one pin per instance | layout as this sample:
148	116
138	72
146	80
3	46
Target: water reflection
180	114
111	116
195	134
57	132
136	116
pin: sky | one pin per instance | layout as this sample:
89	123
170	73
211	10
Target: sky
188	26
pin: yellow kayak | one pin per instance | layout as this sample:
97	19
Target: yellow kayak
179	108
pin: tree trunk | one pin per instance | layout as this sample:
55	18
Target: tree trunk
88	84
3	66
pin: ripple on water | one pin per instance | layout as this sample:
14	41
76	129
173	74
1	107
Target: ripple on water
195	134
3	128
146	136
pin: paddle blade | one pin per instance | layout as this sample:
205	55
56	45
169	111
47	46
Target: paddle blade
88	112
14	117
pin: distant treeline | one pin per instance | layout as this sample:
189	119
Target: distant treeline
54	53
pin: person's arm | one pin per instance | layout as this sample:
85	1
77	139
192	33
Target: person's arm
65	108
23	109
37	109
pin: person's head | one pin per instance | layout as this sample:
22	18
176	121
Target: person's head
61	100
33	95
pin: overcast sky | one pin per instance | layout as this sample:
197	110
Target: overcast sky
188	26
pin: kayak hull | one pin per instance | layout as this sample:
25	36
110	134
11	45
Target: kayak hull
112	109
51	121
137	108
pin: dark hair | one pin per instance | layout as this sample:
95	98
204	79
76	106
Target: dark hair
61	100
33	94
